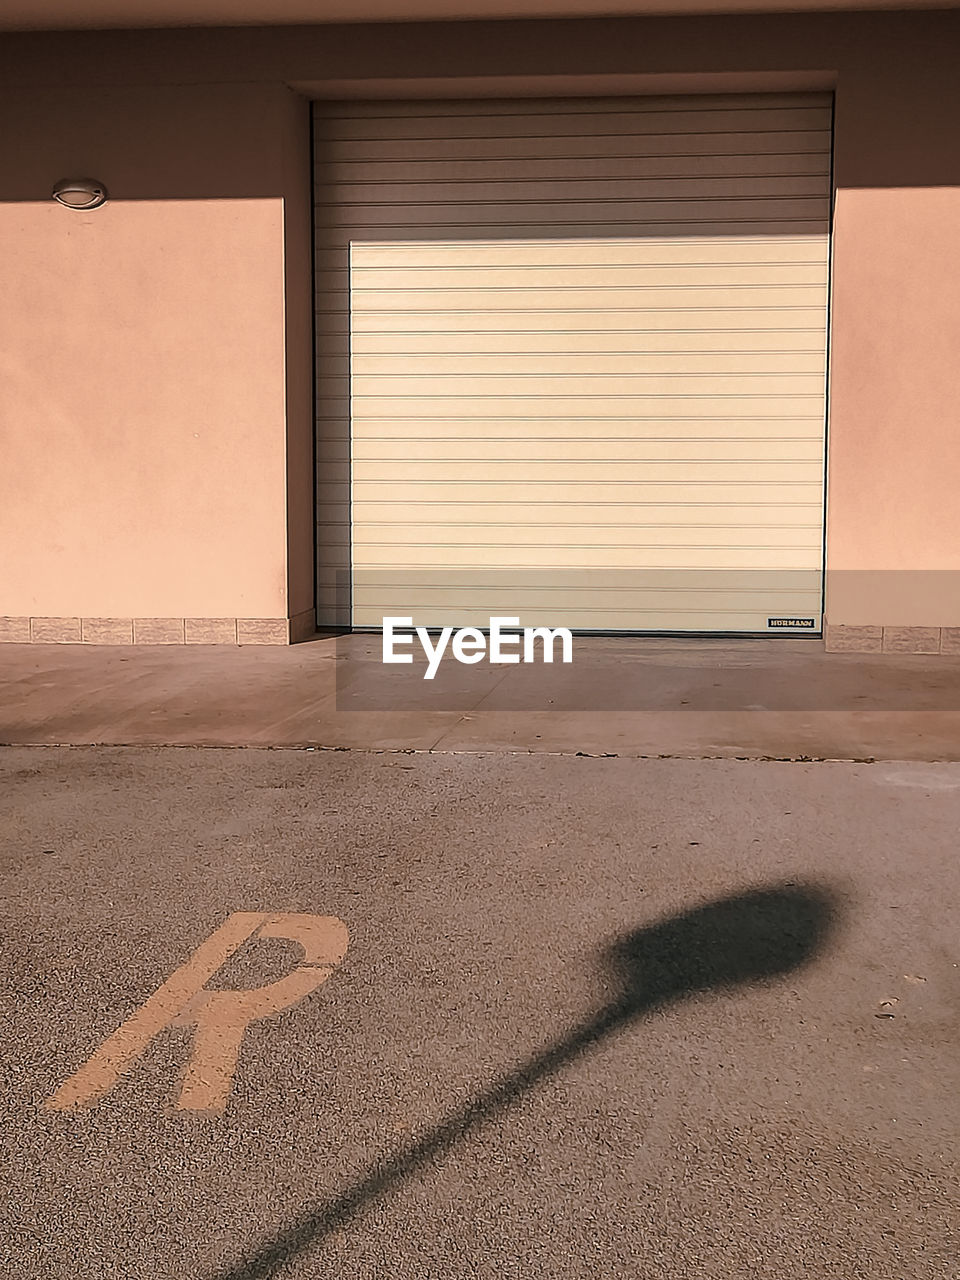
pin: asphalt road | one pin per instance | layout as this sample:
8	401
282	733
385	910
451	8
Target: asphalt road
596	1018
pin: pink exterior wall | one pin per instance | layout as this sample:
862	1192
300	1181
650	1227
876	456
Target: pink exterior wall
893	516
893	520
155	353
143	354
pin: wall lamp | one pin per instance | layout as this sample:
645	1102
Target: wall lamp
80	193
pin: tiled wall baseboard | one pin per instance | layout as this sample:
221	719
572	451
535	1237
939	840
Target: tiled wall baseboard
240	631
157	630
850	639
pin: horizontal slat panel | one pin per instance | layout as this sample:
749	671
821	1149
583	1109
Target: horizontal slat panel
621	226
583	253
525	492
671	319
368	409
590	589
609	386
374	302
608	471
803	512
581	168
646	347
577	123
557	559
384	540
511	191
736	617
715	622
592	433
374	451
625	364
369	393
497	213
490	108
375	280
729	141
599	418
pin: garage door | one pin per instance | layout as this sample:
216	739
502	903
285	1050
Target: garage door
572	362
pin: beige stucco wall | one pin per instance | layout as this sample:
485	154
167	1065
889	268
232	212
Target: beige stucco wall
156	386
893	519
142	348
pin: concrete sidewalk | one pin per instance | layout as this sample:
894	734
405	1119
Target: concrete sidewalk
765	699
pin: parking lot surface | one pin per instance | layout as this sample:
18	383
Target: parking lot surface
594	1017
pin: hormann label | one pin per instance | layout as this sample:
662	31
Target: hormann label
809	623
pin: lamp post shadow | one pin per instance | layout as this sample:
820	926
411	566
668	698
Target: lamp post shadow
751	937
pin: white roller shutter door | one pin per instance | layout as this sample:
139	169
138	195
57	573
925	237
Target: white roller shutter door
587	359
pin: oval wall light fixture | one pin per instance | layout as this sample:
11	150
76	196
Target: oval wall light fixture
80	193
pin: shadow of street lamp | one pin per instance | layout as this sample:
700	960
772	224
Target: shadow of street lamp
748	938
